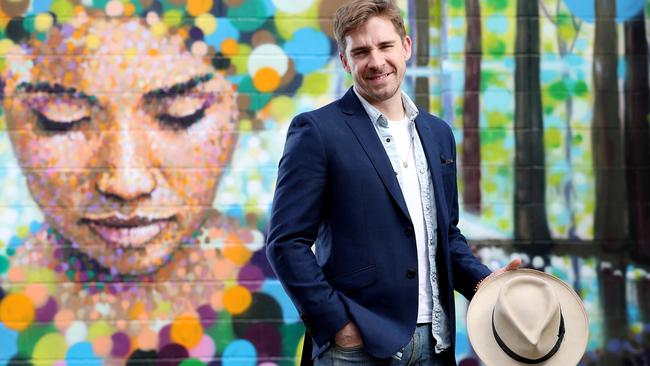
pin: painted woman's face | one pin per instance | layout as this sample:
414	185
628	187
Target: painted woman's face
122	136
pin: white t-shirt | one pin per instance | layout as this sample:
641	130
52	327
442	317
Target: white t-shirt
411	191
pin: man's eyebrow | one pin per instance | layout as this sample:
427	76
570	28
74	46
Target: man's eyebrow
54	88
179	88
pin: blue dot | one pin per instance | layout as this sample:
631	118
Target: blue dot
82	354
41	6
239	353
225	30
8	339
34	227
309	49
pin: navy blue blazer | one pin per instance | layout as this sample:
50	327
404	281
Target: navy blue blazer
336	187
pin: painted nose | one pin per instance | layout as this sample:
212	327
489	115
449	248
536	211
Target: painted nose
127	176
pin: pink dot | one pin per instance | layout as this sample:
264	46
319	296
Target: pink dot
205	350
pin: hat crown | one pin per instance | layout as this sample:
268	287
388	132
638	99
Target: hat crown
527	316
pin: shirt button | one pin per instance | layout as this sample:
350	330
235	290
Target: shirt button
387	139
421	171
410	274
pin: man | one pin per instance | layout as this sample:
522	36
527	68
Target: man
372	181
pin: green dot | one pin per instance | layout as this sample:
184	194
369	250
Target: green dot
50	347
173	17
4	264
191	362
11	251
28	338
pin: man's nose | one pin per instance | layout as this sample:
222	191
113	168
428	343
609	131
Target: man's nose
376	59
128	174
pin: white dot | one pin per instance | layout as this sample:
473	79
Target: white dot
268	55
76	332
293	6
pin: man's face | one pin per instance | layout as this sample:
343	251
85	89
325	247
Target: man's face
376	57
122	137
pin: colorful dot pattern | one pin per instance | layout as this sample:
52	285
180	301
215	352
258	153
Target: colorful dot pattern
215	298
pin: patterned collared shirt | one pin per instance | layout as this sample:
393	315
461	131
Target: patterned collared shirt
440	322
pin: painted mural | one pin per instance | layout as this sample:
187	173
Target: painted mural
139	149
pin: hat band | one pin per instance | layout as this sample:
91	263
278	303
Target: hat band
516	357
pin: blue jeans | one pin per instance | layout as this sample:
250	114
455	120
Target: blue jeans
419	351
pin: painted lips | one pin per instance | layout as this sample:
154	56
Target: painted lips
128	233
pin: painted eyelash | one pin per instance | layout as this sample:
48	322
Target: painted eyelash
183	122
49	125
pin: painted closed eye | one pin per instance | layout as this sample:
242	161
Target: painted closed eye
59	114
182	111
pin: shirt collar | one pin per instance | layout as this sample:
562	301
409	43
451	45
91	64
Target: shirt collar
377	117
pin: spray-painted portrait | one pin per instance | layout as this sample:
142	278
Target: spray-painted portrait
123	118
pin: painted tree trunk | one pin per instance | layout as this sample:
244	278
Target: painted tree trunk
637	136
471	110
530	173
422	52
610	224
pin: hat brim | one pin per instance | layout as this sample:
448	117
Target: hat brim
479	322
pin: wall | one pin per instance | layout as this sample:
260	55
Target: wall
136	184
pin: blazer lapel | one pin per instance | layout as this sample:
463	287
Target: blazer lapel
431	145
360	124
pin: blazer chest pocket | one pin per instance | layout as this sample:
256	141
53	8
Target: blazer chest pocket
355	280
448	165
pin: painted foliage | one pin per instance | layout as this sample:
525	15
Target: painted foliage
140	141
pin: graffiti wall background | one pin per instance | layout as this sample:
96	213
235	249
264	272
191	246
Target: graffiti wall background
140	141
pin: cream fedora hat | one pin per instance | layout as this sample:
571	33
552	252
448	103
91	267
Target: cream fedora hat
527	317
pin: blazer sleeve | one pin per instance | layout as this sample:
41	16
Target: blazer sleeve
467	269
296	215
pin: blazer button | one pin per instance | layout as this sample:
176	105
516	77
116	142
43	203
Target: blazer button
410	274
408	231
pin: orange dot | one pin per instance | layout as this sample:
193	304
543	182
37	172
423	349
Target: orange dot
16	274
37	293
63	319
237	253
136	310
216	300
129	9
198	7
237	299
229	47
266	79
152	52
16	311
147	339
186	330
102	345
223	269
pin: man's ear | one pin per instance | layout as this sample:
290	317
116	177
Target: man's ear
407	44
344	62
